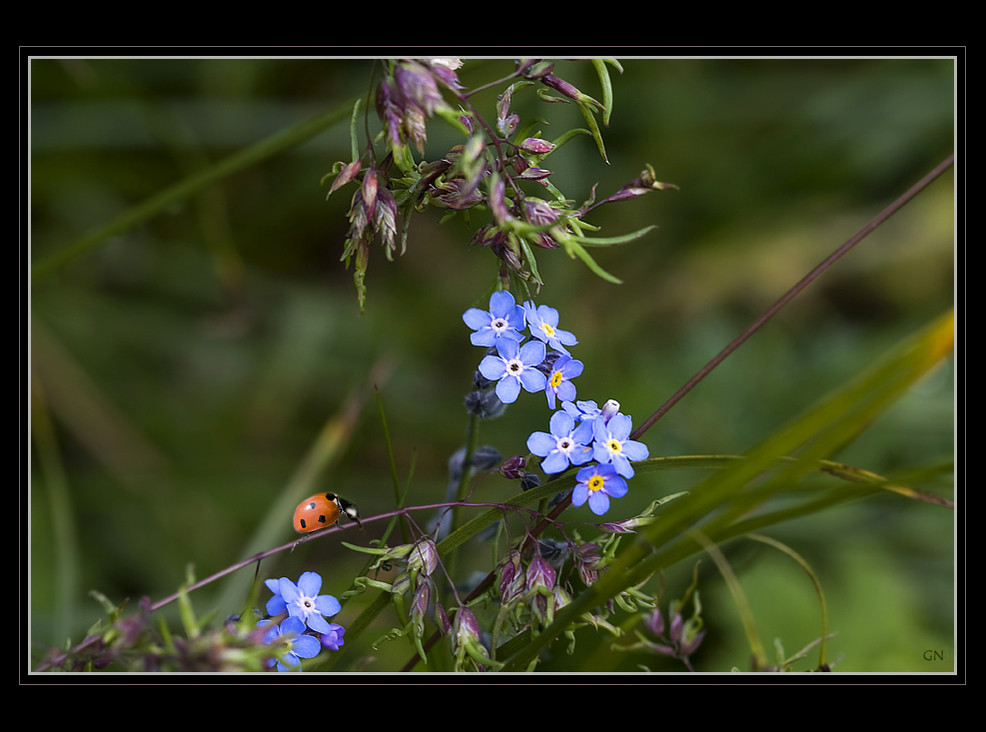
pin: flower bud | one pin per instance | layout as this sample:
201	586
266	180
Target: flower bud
484	403
513	467
441	619
419	606
444	70
532	173
508	124
537	146
333	639
560	85
540	575
388	109
423	557
587	557
484	457
610	409
346	174
466	627
385	218
498	202
539	212
417	85
534	68
655	623
511	585
626	526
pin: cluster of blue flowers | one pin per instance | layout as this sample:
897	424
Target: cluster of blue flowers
580	432
305	630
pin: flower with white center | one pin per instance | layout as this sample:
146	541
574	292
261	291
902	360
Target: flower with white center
505	319
567	444
513	367
303	601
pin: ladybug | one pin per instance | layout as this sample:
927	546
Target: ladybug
323	510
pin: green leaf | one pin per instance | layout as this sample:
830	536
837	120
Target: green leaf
575	248
608	241
719	506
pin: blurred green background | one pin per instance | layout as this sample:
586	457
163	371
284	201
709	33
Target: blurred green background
183	370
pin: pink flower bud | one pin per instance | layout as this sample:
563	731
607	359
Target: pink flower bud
537	146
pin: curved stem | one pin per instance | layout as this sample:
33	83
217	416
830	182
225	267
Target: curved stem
793	292
274	145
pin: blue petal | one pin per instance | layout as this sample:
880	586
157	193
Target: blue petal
310	583
600	453
580	456
583	433
532	379
502	303
566	390
616	487
622	465
306	646
317	623
508	349
292	625
549	394
507	390
483	338
476	318
580	493
532	353
620	426
276	605
554	463
566	337
492	367
327	605
586	473
289	590
572	369
635	450
561	424
598	503
541	443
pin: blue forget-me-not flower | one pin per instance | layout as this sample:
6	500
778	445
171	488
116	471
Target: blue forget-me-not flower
567	444
597	484
505	319
560	375
543	323
514	366
612	444
303	601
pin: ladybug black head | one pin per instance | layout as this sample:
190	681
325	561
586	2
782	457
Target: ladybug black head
349	509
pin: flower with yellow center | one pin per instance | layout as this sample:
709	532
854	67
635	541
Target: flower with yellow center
559	384
596	485
612	444
543	323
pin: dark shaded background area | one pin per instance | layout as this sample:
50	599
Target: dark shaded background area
189	365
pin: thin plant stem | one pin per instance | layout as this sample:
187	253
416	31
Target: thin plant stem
242	160
792	293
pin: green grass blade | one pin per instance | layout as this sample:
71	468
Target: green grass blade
274	145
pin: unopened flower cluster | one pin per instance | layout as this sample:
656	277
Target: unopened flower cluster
304	632
489	170
580	432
